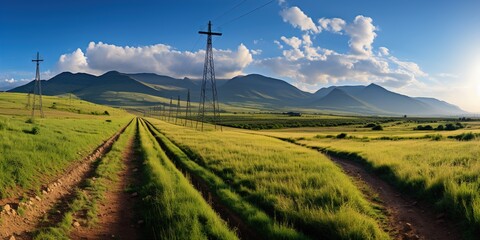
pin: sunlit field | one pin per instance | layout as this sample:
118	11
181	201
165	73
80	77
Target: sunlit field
441	166
291	183
33	151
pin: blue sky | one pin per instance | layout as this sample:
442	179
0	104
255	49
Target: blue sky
419	48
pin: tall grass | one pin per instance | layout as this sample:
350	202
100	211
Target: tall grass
292	184
446	172
173	208
257	219
33	152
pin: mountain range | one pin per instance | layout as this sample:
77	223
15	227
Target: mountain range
254	90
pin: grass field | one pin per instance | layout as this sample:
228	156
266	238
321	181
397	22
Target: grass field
259	121
429	164
174	209
34	151
447	172
291	183
257	219
279	189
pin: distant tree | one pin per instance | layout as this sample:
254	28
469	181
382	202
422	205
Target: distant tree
377	128
341	135
450	127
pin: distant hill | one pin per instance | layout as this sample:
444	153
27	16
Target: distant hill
258	88
339	100
254	90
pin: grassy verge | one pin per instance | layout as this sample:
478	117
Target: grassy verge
87	199
292	184
33	152
253	216
446	172
174	209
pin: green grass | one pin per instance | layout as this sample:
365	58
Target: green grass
444	171
254	217
93	193
173	208
33	152
292	184
259	121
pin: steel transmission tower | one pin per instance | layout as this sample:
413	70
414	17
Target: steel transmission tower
208	82
170	109
37	90
178	109
188	111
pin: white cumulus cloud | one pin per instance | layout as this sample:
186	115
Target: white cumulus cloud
383	51
335	25
297	18
362	33
309	64
160	58
293	42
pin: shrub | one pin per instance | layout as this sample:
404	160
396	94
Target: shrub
30	120
35	130
377	128
436	137
440	128
370	125
465	136
341	135
106	113
108	120
450	127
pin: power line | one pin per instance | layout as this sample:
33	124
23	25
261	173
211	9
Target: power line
231	9
245	14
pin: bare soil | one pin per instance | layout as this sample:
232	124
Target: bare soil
116	215
408	218
29	212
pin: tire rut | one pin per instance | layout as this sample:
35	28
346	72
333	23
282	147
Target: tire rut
233	220
408	218
33	211
116	215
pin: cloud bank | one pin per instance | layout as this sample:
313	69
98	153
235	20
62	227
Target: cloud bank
310	65
160	58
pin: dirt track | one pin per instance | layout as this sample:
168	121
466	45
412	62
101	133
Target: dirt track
408	218
37	208
116	215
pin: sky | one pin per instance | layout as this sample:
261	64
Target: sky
419	48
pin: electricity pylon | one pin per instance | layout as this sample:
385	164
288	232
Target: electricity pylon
188	111
178	109
208	81
37	90
170	110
